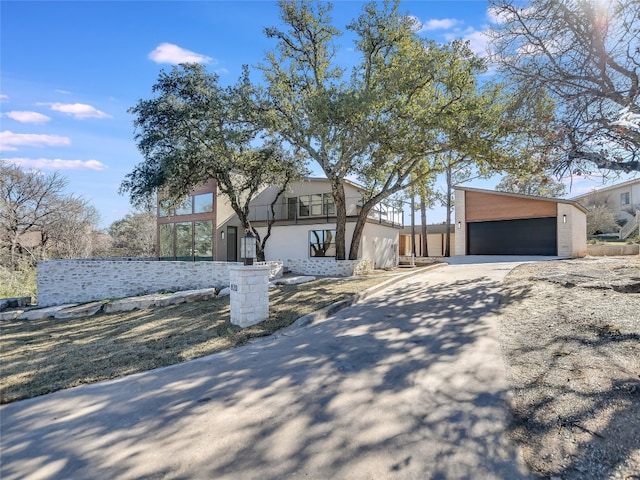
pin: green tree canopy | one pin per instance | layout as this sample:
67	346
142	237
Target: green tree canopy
541	185
194	130
386	120
134	235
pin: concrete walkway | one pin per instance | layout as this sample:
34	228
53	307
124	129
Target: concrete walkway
407	384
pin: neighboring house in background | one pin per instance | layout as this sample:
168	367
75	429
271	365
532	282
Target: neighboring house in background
207	228
436	238
499	223
622	199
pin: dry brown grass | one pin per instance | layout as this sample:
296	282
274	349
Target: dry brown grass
570	332
38	357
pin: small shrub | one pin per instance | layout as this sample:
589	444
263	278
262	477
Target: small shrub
20	282
635	239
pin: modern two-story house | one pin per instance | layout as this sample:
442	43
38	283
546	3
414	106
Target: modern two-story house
205	227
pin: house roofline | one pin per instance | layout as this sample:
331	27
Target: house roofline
606	189
529	197
325	179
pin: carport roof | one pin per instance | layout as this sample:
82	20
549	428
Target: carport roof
530	197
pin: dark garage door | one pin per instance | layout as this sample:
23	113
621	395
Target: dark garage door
533	236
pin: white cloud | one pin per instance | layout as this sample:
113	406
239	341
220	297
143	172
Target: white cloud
500	16
10	141
27	117
439	24
478	39
57	164
63	92
173	54
77	110
432	24
497	16
3	96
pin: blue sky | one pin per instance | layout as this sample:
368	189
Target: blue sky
70	70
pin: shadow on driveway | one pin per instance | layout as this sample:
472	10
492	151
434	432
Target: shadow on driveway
407	384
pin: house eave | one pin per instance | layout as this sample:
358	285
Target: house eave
529	197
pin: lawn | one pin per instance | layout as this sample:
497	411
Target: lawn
42	356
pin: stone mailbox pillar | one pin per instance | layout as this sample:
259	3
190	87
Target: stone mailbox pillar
249	300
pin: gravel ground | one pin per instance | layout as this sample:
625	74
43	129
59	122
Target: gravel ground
570	333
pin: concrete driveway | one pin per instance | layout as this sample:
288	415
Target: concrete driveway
407	384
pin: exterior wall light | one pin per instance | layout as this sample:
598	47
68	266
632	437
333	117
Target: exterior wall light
222	235
564	219
459	224
248	248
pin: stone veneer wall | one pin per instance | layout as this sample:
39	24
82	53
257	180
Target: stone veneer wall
329	266
85	280
249	292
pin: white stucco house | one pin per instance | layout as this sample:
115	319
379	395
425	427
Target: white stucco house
623	199
207	228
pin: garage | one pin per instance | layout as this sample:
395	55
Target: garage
536	236
499	223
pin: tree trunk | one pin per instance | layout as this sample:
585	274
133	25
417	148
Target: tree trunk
413	225
423	218
447	244
271	220
358	231
340	203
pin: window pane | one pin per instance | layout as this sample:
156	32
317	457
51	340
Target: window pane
304	206
166	241
203	236
184	208
291	208
624	198
203	203
329	206
164	210
322	243
316	204
183	241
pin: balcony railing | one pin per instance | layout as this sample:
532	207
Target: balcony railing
631	227
295	211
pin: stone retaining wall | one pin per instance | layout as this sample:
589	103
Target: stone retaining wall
86	280
329	267
613	250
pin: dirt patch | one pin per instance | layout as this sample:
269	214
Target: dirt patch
570	332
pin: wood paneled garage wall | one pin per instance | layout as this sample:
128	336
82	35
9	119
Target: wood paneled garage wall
482	207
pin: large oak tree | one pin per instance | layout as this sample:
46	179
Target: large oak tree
386	120
194	129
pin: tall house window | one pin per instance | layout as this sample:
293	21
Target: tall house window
186	241
186	229
166	241
164	210
328	205
203	240
625	198
202	203
315	205
322	243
